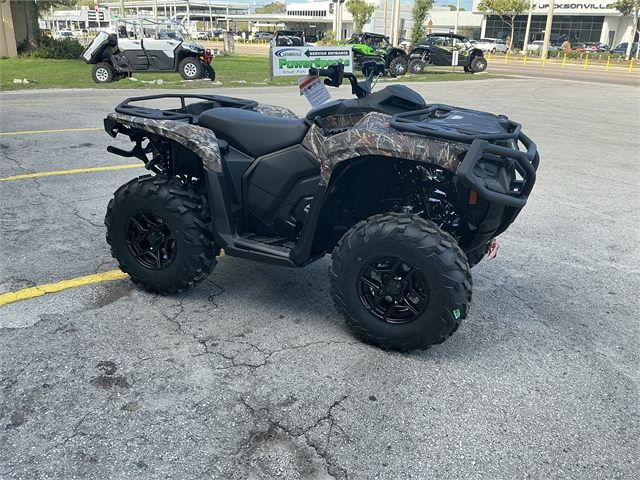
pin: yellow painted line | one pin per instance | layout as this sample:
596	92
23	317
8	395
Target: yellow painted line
33	292
69	172
53	131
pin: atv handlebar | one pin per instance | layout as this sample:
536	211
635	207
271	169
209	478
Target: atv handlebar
336	74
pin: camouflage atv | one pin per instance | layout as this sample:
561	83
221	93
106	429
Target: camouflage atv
375	47
406	197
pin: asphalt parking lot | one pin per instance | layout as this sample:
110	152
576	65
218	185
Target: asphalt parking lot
253	374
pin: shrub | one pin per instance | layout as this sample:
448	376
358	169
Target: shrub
328	39
65	49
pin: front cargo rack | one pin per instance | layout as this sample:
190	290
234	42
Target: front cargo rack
186	111
492	138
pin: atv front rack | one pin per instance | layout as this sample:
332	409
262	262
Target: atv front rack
189	112
498	148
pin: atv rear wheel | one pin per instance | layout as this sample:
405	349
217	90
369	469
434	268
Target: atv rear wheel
478	64
398	66
416	66
400	281
103	73
159	230
191	68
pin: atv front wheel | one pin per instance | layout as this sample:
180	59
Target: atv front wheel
103	72
398	66
416	66
159	230
400	281
191	68
478	64
209	72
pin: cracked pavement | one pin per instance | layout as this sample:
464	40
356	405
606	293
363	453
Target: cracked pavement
253	374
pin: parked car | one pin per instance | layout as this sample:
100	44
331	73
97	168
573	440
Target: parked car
596	47
267	36
577	46
437	49
404	43
61	34
622	48
203	36
492	45
535	46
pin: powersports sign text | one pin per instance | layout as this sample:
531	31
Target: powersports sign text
298	60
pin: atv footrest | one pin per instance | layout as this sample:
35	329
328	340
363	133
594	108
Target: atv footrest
277	243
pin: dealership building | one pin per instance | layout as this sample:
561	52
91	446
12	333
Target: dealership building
583	22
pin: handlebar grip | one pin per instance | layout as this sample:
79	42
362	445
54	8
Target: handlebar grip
320	72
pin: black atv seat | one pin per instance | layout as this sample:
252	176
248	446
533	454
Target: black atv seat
253	133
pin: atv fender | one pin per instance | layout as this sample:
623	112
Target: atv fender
373	136
199	140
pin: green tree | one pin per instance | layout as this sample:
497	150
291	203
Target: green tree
630	8
329	38
32	10
466	31
271	8
507	10
361	12
419	14
453	8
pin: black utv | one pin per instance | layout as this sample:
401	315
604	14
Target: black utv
445	50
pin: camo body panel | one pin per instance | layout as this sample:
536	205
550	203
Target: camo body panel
202	141
374	136
274	111
313	140
316	136
340	122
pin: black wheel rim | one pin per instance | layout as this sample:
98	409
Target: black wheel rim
150	240
393	289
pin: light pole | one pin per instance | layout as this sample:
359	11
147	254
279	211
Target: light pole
526	34
395	25
455	29
547	32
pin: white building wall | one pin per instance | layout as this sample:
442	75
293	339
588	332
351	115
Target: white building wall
442	17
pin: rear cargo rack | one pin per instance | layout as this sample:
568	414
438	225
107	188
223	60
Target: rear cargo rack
188	112
499	148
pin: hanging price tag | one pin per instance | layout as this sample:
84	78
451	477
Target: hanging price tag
314	90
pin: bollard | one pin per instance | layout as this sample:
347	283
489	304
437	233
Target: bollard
586	60
525	58
631	66
506	58
608	62
489	57
544	59
564	60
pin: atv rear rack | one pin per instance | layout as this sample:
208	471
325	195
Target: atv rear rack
499	149
189	112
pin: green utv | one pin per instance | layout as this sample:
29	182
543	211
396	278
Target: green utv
373	46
